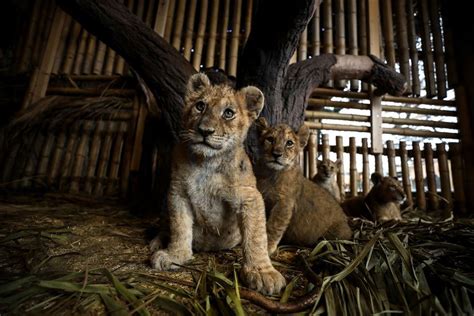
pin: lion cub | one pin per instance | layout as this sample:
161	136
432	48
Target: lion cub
326	177
382	203
213	199
299	209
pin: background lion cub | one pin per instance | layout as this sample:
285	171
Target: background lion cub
298	208
382	203
213	199
326	177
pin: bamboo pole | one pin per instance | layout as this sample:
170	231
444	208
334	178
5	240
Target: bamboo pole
444	176
352	29
363	37
303	45
353	166
412	36
325	146
438	48
34	145
25	58
169	20
93	156
9	162
126	163
365	166
66	164
91	92
316	33
139	132
405	172
119	67
198	48
55	163
378	163
81	50
312	154
40	79
340	173
99	59
44	158
364	118
387	27
71	48
223	39
109	62
150	14
161	17
90	54
248	19
42	31
430	178
104	157
392	172
80	157
211	42
60	53
189	31
115	159
458	183
178	27
328	45
450	59
358	95
234	44
394	131
427	50
419	180
340	35
402	39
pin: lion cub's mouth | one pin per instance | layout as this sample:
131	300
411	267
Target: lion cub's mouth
208	144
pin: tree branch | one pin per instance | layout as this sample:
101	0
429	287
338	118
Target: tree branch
163	69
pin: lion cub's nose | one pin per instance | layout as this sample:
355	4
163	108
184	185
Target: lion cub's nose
206	131
276	154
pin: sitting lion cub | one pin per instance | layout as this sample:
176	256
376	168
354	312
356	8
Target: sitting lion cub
299	209
382	203
325	177
213	200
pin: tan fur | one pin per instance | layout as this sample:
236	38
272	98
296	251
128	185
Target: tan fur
299	209
326	177
382	203
213	200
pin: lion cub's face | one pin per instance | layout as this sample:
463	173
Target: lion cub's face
280	145
387	189
327	168
217	118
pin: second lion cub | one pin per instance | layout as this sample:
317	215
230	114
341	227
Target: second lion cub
300	210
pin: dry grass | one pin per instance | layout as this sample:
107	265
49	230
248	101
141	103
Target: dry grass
64	255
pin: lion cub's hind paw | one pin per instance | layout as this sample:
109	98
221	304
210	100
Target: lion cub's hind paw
161	260
266	280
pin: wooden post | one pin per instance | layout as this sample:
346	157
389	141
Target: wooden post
25	58
90	54
211	42
392	172
197	57
161	17
365	166
419	180
316	34
353	166
378	163
415	77
178	27
444	176
363	37
427	51
388	32
340	33
402	36
312	154
189	31
59	56
328	45
458	172
223	39
405	172
352	28
430	178
325	146
438	48
340	175
71	48
169	20
40	78
248	19
303	45
234	44
80	53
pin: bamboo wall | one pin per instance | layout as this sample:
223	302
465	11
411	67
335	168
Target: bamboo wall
56	50
432	175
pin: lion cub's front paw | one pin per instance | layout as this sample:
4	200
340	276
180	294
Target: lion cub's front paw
263	279
163	260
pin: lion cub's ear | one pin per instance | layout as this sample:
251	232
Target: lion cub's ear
198	82
254	99
376	178
303	135
261	124
338	163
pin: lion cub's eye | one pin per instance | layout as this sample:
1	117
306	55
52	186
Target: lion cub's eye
200	106
289	143
270	139
228	114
